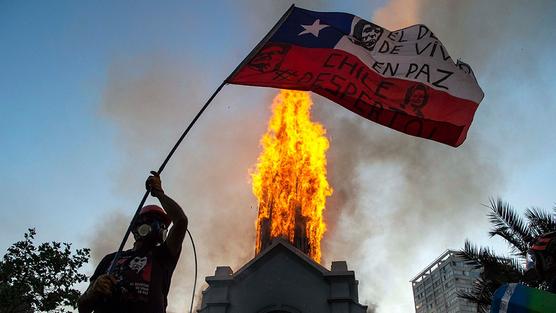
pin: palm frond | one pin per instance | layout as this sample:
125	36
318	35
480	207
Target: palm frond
496	271
517	246
483	257
480	294
472	255
541	221
510	226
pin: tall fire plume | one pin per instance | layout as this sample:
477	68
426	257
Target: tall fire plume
289	180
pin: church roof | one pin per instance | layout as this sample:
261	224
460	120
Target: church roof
280	245
277	244
282	276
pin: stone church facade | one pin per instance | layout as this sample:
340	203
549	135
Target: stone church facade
282	279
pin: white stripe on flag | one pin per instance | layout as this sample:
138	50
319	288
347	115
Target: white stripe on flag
413	53
505	301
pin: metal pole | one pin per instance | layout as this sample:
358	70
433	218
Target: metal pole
263	41
146	195
175	147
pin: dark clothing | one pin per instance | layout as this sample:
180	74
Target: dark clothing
143	281
552	286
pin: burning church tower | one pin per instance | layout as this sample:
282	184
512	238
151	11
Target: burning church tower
291	186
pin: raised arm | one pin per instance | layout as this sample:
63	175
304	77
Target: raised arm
174	211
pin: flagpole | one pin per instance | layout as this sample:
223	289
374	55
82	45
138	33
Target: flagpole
263	41
176	145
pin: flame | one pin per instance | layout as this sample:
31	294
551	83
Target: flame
291	172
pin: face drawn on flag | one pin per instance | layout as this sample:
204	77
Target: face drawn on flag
269	58
366	34
416	97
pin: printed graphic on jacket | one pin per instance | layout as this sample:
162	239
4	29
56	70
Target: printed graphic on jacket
133	274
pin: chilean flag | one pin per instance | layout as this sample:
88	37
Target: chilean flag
403	79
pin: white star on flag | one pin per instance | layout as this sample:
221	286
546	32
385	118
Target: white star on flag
313	29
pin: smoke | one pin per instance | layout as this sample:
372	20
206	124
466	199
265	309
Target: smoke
108	235
491	37
397	199
400	200
150	99
371	308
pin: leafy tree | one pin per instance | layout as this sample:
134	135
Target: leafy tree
520	233
40	278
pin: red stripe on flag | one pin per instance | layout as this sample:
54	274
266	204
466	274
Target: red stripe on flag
407	106
539	247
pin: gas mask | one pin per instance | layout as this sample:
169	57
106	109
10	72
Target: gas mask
150	230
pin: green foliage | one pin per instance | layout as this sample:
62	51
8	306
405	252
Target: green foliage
511	227
40	278
520	233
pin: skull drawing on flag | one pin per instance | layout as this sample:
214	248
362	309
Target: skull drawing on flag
367	34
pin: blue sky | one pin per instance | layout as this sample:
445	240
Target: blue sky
76	148
58	151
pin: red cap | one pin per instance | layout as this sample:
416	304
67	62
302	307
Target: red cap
156	210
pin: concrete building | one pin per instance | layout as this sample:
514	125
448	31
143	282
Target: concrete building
282	279
435	288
